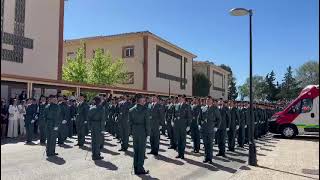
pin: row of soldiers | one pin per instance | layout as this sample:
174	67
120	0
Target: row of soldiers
205	119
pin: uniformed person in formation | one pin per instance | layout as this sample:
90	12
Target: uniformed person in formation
96	116
81	120
169	121
42	120
182	119
224	127
30	119
195	133
209	119
51	112
140	128
242	125
234	126
156	121
73	112
124	106
63	116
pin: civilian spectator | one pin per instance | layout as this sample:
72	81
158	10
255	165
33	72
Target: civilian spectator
13	119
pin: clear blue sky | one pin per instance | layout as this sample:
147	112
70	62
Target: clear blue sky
285	32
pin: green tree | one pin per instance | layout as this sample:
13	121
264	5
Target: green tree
271	89
76	69
308	74
232	89
258	86
289	88
104	69
201	85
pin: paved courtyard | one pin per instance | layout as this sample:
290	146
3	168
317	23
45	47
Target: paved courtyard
28	162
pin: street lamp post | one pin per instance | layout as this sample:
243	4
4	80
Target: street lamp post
252	146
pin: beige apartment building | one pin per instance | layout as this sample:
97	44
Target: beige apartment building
217	76
31	43
152	63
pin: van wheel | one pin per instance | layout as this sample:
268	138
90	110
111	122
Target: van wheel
288	132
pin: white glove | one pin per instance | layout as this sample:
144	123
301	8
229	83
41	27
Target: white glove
237	127
172	124
36	117
64	121
227	129
215	129
85	122
188	128
32	121
160	127
199	127
55	128
245	126
73	119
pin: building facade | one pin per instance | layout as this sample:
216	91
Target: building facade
217	76
152	63
31	41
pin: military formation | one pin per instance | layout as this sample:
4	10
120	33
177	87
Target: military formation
205	119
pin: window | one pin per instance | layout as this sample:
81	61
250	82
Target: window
306	105
130	78
296	108
128	51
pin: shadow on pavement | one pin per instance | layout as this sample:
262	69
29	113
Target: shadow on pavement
107	151
56	160
265	149
310	171
168	160
300	175
66	146
129	153
12	140
245	168
147	177
200	164
301	138
105	164
109	144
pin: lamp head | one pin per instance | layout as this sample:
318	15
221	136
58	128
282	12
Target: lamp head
240	11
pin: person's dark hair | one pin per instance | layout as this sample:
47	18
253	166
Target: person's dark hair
97	100
209	97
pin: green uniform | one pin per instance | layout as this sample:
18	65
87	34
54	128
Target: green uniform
169	122
42	123
31	111
194	127
124	124
182	119
247	122
96	115
209	120
256	116
221	133
111	119
156	120
242	125
81	122
234	123
140	127
63	129
50	113
72	129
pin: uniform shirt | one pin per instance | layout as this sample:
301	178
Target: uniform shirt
209	118
182	115
139	120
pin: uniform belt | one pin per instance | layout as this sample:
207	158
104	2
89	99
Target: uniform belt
138	124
